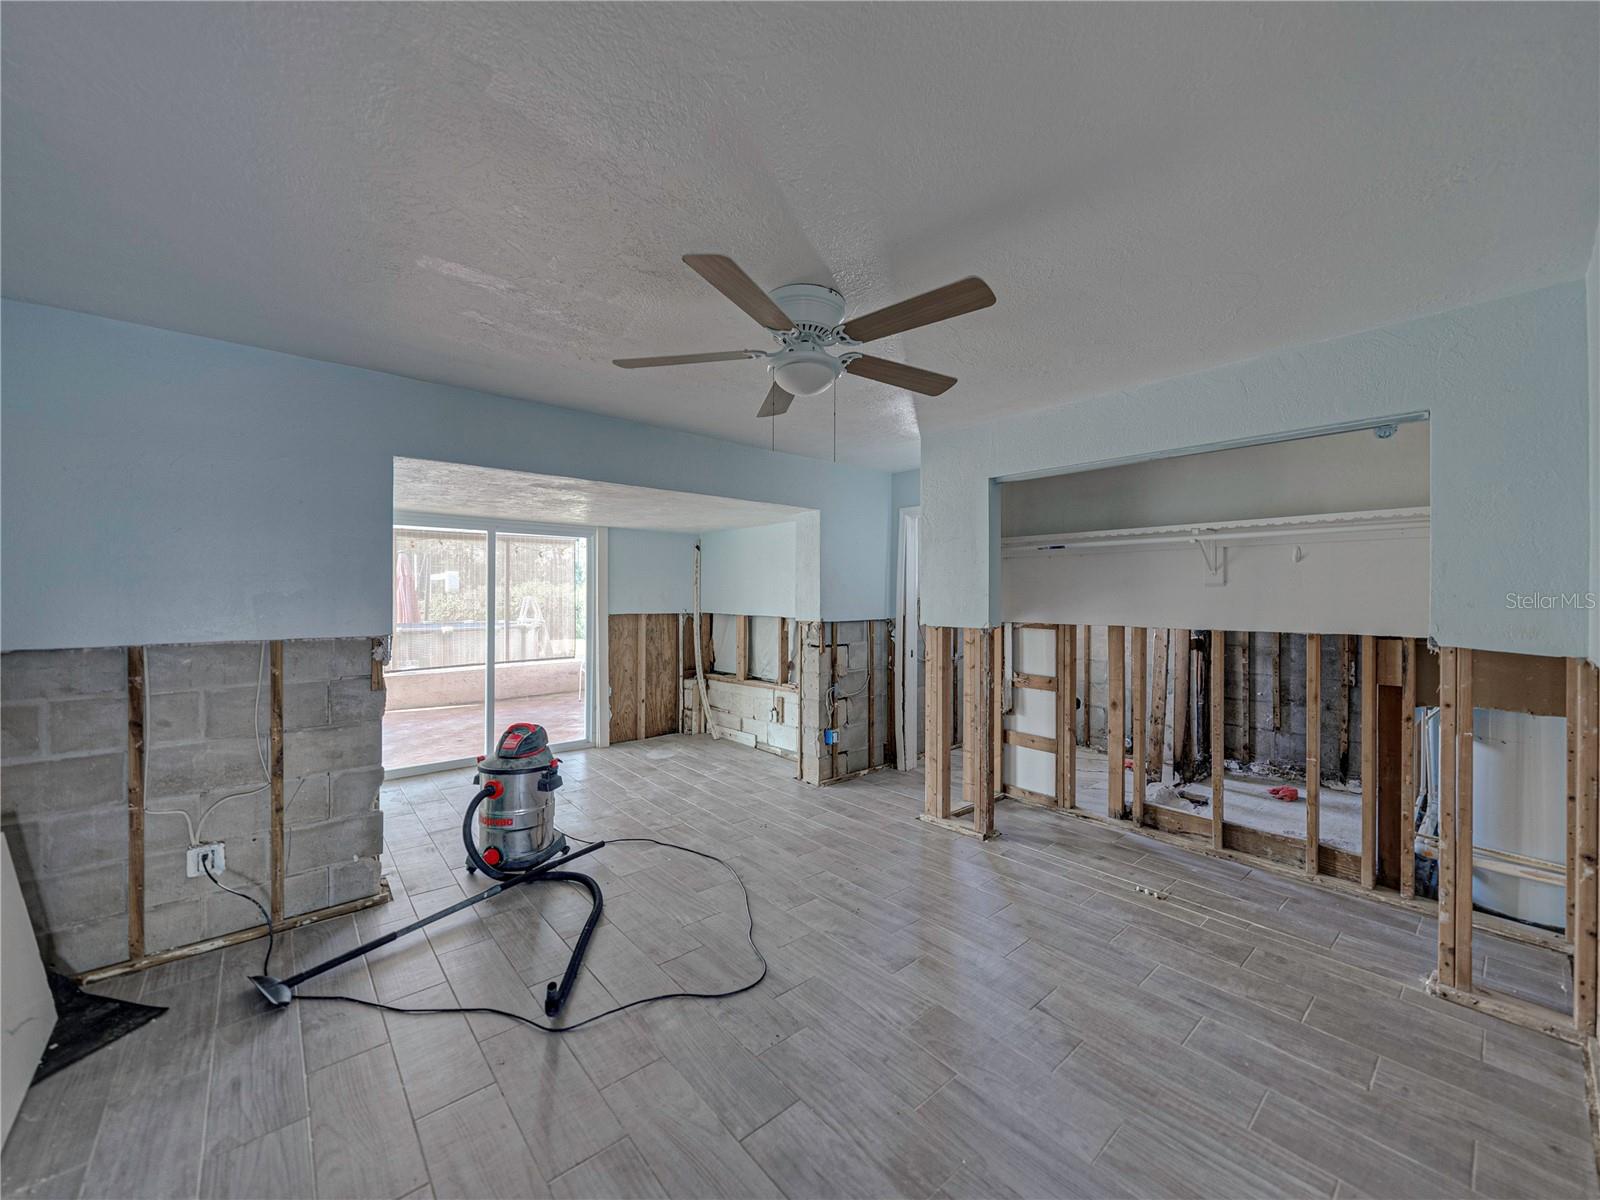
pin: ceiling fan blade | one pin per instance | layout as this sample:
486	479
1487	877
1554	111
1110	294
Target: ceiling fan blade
913	379
722	273
678	360
776	404
952	300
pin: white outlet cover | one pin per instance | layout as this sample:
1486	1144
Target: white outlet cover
196	853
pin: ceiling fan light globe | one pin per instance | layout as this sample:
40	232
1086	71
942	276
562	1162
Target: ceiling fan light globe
805	374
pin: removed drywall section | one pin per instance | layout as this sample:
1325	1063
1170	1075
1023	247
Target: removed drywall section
1504	385
750	571
648	571
844	688
768	713
645	670
66	796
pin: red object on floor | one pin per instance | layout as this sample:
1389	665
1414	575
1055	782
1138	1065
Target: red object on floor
1127	764
1287	794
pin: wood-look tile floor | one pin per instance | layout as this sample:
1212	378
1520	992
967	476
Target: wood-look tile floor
1070	1010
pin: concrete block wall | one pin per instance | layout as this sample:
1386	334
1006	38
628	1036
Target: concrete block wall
769	714
842	650
64	798
65	763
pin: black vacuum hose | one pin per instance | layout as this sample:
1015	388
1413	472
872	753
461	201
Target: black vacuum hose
471	842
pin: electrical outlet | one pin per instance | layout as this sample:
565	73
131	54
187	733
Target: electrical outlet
211	854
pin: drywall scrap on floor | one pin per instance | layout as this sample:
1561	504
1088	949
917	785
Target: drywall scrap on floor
206	752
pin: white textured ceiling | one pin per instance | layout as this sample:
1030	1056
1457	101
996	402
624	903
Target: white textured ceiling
456	489
498	195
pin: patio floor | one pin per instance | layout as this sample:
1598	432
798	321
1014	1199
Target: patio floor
418	736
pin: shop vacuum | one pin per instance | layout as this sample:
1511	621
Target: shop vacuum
520	845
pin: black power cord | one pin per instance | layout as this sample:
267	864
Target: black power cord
266	920
750	934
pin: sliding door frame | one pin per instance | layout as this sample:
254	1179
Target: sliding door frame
594	600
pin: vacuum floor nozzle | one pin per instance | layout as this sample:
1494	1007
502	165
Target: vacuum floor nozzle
275	991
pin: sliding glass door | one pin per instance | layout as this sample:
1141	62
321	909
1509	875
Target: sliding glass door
491	624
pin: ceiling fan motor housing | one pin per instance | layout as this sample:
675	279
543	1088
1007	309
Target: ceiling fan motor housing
802	367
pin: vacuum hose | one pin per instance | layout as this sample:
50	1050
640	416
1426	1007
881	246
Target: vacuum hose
555	995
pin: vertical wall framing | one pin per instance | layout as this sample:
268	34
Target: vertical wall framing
1116	722
1369	760
1218	676
1314	753
936	717
1140	704
1066	687
136	749
279	855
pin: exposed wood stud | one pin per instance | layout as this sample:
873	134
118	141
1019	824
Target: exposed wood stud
1116	724
377	664
1140	640
872	698
936	720
1280	694
1463	894
1156	750
977	762
279	857
1408	766
1066	708
1245	700
1033	683
783	649
1574	787
1085	658
1346	663
1447	816
1182	689
1313	751
1219	642
1586	911
136	752
1369	760
641	674
1029	741
996	709
833	698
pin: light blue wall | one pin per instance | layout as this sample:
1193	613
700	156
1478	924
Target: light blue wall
649	572
159	487
1505	386
1592	288
905	488
750	572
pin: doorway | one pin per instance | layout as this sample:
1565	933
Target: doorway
491	626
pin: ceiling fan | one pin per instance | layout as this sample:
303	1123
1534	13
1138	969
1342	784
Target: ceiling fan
805	319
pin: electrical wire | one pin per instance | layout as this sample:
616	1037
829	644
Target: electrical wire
261	753
750	935
266	920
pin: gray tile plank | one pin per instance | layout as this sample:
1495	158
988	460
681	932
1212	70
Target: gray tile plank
736	1084
258	1079
555	1104
274	1164
619	1172
474	1151
438	1057
808	1158
364	1143
687	1147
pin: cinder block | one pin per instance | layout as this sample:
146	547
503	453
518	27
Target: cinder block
172	718
305	892
204	766
190	666
335	841
306	800
353	792
168	926
854	736
355	880
23	731
849	631
351	701
60	674
231	712
327	658
224	913
44	845
337	748
84	726
75	897
64	785
87	946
